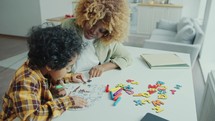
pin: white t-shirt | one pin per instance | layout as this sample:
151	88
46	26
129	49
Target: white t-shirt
87	58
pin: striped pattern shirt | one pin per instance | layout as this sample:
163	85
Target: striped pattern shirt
29	98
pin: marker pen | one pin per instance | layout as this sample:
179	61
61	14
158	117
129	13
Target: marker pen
117	101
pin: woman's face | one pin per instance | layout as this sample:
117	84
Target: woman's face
59	74
96	31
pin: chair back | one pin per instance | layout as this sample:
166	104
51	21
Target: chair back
199	37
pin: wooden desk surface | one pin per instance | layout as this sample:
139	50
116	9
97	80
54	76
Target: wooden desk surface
177	107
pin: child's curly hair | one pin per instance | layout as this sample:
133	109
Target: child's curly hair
52	46
113	13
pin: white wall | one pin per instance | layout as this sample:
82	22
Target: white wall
202	10
190	8
17	16
207	56
55	8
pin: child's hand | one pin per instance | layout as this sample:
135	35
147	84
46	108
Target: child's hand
96	71
57	92
78	77
78	102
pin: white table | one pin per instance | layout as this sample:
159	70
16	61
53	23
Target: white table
177	107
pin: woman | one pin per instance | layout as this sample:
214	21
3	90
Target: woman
103	25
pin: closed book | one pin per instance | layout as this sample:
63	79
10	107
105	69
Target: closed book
152	117
164	60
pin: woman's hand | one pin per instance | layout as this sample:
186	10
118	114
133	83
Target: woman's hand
96	71
78	102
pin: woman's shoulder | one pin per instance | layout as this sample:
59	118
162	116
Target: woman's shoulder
70	24
113	45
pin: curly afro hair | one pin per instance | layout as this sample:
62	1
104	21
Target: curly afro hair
52	46
113	13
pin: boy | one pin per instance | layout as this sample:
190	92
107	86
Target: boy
52	52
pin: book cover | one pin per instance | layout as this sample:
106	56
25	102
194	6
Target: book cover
152	117
163	60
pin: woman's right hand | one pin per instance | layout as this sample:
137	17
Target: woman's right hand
96	71
78	102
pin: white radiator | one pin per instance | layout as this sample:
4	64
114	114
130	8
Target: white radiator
208	105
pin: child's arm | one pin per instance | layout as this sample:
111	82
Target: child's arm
33	101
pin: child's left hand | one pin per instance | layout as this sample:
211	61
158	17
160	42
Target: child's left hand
57	92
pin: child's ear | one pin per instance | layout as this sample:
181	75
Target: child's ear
48	68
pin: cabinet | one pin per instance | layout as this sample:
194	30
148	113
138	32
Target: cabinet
149	14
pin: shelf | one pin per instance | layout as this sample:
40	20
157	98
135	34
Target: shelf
160	5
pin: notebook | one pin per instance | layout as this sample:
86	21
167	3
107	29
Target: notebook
163	60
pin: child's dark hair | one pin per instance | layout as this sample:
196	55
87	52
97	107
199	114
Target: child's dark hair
52	46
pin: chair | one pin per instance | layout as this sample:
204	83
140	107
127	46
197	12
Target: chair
182	36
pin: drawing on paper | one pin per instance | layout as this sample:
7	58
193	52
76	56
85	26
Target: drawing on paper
90	92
